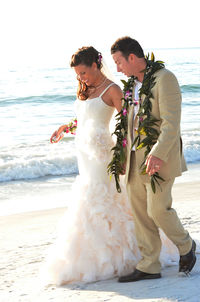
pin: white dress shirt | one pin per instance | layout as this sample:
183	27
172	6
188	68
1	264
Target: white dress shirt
138	85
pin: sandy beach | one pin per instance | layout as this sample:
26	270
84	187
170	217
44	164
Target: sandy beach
25	238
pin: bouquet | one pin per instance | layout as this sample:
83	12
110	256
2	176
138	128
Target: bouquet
71	126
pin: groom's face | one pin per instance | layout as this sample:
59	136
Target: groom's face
123	65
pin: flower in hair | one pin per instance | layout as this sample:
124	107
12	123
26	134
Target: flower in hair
99	58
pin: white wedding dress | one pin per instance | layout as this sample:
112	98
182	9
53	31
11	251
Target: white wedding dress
96	239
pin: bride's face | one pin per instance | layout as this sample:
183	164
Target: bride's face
86	74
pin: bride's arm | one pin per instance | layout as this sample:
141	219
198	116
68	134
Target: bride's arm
116	97
57	135
69	128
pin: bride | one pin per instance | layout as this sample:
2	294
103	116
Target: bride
96	239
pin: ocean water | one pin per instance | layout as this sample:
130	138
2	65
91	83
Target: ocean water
35	101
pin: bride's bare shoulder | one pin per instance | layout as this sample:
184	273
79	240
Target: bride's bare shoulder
115	96
116	90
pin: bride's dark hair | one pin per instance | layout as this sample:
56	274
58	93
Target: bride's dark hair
85	55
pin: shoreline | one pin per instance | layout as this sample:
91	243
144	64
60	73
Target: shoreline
53	192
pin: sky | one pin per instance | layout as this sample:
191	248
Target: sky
34	32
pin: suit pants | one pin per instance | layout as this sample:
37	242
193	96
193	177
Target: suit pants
152	211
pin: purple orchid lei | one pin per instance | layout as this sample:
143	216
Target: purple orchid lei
116	166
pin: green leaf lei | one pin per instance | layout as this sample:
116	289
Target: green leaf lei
145	127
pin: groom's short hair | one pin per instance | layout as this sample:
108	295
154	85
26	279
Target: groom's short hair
126	46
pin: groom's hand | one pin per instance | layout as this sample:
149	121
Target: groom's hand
153	164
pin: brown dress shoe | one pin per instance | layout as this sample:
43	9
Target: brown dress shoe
187	262
137	276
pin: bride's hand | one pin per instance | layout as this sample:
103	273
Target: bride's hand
56	136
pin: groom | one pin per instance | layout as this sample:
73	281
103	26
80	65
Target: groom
151	210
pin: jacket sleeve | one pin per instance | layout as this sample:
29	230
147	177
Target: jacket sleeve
169	102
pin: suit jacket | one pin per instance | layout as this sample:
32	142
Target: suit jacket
166	106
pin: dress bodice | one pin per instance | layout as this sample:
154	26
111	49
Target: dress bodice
93	112
93	136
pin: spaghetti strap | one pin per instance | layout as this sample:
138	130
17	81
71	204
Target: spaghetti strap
106	89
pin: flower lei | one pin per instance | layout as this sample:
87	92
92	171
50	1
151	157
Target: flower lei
145	127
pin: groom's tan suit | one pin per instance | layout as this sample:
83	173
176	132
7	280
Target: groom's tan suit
153	211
